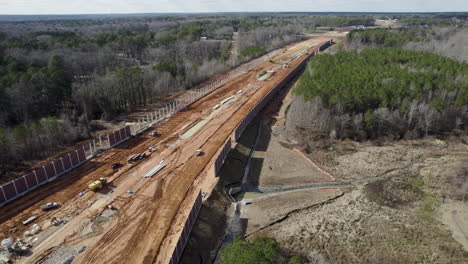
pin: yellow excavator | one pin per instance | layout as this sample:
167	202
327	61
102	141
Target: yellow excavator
97	185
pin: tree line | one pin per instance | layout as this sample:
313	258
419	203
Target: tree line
381	91
389	37
446	41
57	76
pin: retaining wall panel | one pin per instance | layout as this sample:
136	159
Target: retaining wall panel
184	233
50	172
9	191
117	136
111	139
2	198
81	155
127	131
66	163
74	159
58	166
40	174
30	180
179	248
122	134
21	186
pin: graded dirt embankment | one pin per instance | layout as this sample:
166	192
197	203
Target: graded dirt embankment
400	202
268	150
150	212
400	190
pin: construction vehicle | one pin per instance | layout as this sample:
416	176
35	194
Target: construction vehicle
133	158
97	185
29	220
49	206
116	165
137	157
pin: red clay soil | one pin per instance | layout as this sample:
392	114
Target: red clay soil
149	221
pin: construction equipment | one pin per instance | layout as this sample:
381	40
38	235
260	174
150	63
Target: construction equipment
154	133
138	156
29	220
133	158
56	222
116	165
20	247
49	206
198	152
97	185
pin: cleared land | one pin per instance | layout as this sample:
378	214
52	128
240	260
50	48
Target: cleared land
275	163
148	221
401	191
267	211
395	202
221	221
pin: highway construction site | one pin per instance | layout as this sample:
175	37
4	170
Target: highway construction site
318	201
146	208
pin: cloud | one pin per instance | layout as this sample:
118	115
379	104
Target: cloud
193	6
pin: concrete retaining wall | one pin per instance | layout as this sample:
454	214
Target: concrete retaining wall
40	176
57	168
179	249
228	145
51	171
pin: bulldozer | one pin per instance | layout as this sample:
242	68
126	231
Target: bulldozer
97	185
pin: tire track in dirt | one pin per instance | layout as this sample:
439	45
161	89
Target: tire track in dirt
66	188
150	219
149	223
150	242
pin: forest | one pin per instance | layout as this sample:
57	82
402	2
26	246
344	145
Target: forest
382	90
58	75
389	38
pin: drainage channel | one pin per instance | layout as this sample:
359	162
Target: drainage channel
252	151
233	229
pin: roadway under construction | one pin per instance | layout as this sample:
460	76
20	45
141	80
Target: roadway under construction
149	214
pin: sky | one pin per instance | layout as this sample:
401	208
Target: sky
13	7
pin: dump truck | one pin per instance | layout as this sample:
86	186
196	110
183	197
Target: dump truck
97	185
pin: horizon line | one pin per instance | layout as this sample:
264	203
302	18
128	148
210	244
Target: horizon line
234	12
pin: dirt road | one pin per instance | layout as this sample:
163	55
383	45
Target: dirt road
148	219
